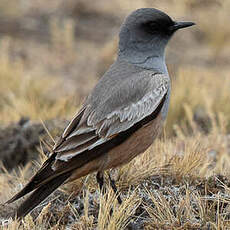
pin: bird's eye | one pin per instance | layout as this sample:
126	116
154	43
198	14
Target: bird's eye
152	25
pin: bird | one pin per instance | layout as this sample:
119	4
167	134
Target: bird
120	118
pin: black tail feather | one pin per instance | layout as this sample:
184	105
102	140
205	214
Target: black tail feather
40	194
36	180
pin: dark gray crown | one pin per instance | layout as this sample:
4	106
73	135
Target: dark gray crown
150	19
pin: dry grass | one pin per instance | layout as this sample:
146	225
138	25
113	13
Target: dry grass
199	94
175	184
23	94
182	181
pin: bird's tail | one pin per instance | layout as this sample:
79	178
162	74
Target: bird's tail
40	194
46	180
43	183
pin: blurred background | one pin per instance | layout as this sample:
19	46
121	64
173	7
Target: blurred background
53	52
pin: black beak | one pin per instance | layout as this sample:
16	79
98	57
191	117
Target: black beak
180	25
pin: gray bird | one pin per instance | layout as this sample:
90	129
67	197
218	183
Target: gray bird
121	117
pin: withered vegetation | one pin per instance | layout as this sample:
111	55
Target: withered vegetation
51	55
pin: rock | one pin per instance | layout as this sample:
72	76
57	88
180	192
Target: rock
19	141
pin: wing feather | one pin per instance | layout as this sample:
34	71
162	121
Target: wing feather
100	124
76	140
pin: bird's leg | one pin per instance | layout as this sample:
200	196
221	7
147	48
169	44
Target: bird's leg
100	180
114	187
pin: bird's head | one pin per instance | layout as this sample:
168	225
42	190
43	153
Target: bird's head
146	32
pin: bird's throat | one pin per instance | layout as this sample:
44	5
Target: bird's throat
155	62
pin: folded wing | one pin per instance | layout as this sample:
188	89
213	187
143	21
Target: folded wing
129	103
